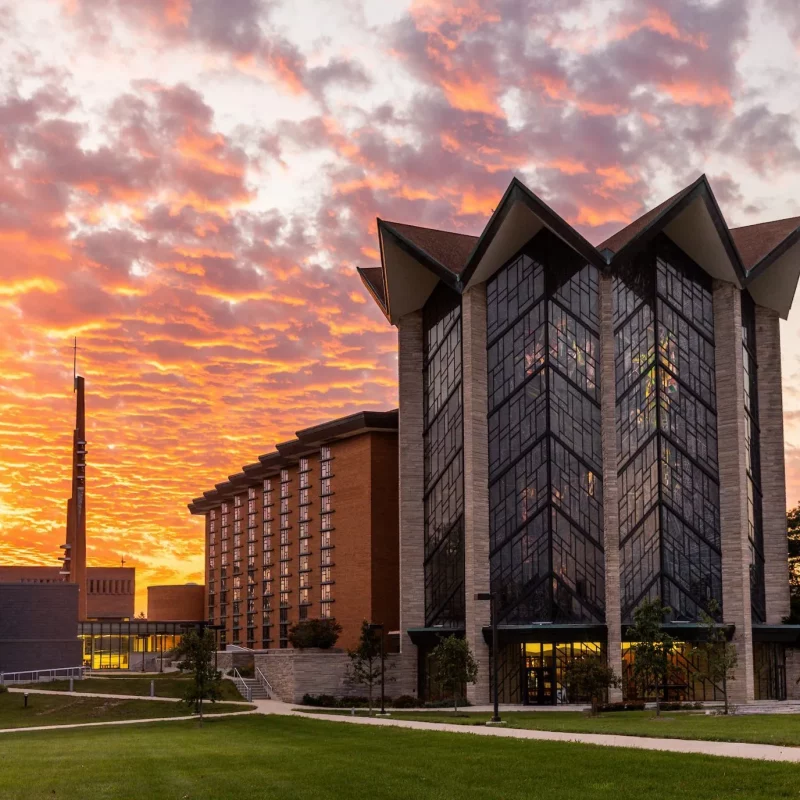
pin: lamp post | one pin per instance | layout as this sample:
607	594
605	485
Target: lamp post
491	597
378	626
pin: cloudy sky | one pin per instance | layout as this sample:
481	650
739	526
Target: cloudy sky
187	186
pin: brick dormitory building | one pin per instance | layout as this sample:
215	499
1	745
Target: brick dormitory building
307	531
585	427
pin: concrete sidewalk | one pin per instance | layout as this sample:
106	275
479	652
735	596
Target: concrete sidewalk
125	722
762	752
241	702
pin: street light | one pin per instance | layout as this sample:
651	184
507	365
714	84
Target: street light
491	596
378	626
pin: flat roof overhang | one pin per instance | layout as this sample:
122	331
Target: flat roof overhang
778	634
547	632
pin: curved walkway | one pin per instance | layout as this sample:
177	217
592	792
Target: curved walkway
764	752
241	702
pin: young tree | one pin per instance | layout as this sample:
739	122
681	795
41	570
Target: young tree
793	533
651	647
365	660
322	633
590	676
455	665
719	655
196	654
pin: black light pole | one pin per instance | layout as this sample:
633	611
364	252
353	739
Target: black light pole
378	626
490	596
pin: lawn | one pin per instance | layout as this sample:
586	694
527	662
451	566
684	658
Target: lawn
288	757
170	684
48	709
779	729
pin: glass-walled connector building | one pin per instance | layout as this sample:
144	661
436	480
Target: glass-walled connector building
583	428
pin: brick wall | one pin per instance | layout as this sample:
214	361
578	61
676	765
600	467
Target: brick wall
773	470
476	484
412	489
733	482
610	483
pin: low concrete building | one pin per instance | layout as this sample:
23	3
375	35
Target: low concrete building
38	626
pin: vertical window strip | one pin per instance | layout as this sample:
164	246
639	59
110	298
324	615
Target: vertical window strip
326	528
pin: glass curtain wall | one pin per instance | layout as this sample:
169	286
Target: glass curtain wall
758	599
667	434
545	459
443	441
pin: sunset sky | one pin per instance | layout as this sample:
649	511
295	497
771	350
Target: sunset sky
187	186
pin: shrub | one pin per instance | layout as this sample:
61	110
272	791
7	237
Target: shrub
444	703
322	633
405	701
633	705
3	689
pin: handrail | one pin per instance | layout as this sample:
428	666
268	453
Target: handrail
36	675
242	686
264	682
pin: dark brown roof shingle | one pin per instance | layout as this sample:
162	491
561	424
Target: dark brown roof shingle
450	249
617	241
756	241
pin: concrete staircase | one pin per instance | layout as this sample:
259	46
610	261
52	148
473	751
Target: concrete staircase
254	688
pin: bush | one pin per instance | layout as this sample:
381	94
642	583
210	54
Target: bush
405	701
680	706
3	689
632	705
444	703
322	633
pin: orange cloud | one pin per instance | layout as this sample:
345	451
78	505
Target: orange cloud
467	94
696	93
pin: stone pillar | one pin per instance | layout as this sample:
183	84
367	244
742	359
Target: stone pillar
412	490
476	484
773	470
733	482
608	400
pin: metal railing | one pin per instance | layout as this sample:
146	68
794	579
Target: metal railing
242	686
36	675
262	679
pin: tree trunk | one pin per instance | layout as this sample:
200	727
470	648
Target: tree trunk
455	702
369	694
725	690
201	711
658	701
594	706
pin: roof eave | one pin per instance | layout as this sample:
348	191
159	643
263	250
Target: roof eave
699	189
372	291
518	192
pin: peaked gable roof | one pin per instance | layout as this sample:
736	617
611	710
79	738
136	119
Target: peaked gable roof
450	249
415	259
622	237
755	242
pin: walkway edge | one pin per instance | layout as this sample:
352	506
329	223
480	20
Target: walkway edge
759	752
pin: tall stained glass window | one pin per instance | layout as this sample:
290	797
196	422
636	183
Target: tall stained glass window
755	529
545	458
443	441
667	434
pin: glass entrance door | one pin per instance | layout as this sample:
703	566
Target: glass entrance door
540	686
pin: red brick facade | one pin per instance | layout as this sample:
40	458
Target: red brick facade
311	531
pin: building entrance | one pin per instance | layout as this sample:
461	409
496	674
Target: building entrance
540	686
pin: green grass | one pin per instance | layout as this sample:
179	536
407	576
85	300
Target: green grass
778	729
300	759
48	709
171	684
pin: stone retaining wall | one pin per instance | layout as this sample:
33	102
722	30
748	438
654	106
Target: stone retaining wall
294	673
